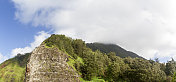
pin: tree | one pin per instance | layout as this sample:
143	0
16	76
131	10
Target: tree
174	77
170	67
142	70
78	46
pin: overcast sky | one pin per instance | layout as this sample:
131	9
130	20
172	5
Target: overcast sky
146	27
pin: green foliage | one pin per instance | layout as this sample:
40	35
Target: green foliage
144	70
107	48
107	65
174	78
170	67
88	63
101	63
94	79
78	46
13	70
62	42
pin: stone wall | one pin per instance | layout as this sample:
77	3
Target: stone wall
49	65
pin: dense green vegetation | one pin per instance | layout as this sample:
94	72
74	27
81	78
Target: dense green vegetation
94	65
107	48
104	65
13	70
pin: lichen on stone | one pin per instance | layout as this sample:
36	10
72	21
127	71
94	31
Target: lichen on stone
49	65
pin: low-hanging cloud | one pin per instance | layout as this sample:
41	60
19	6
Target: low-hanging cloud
146	27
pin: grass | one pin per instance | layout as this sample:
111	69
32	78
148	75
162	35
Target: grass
12	72
94	79
72	61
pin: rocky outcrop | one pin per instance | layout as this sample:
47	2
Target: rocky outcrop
49	65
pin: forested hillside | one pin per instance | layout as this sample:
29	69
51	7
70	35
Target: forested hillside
106	48
96	66
109	67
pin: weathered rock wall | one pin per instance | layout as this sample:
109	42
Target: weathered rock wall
49	65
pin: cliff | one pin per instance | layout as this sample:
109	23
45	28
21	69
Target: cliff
49	64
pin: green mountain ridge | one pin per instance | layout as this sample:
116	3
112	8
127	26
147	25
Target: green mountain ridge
94	62
13	70
107	48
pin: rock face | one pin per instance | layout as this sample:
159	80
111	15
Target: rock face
49	65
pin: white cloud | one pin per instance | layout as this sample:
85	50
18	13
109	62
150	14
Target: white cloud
38	39
146	27
2	58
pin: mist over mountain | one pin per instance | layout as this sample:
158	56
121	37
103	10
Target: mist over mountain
63	59
87	41
107	48
146	23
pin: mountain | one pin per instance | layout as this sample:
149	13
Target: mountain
63	59
107	48
13	70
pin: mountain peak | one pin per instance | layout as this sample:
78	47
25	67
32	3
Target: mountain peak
63	59
107	48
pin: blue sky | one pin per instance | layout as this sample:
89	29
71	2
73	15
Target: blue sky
13	33
145	27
